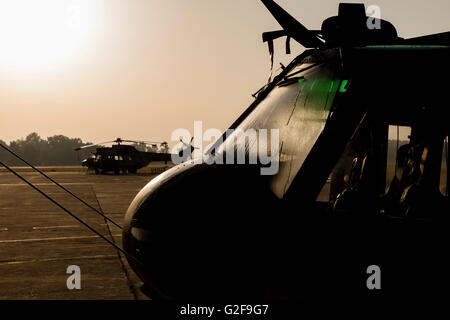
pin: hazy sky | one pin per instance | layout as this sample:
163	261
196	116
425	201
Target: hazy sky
138	69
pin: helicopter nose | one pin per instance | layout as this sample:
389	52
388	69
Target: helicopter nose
191	234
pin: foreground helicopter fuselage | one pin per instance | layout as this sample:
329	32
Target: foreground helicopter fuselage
337	204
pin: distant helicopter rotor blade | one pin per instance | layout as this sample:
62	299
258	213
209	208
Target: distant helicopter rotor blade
119	140
292	27
181	140
143	141
92	145
153	142
84	147
134	141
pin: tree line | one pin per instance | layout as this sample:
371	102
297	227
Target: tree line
57	150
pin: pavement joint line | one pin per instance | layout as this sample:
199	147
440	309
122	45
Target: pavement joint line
131	286
55	227
105	224
53	239
57	259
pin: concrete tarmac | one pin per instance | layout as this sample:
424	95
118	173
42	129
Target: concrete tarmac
38	241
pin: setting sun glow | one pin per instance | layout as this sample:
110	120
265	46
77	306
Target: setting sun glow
42	35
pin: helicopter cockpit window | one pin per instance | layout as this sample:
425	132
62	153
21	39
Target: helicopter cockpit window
398	136
393	170
349	179
296	111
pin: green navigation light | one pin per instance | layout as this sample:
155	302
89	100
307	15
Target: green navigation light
344	86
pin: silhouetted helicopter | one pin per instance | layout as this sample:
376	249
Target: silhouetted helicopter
125	158
337	205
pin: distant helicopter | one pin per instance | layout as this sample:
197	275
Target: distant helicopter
124	158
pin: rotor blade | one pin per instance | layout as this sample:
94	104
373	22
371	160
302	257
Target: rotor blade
152	142
183	142
92	145
442	38
84	147
293	28
142	141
